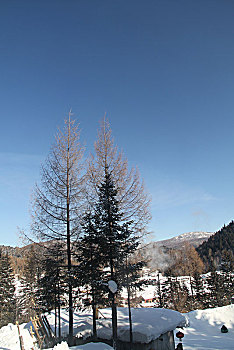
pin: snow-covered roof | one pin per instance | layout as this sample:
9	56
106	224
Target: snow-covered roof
148	324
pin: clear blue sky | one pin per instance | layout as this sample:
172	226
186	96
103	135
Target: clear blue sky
162	70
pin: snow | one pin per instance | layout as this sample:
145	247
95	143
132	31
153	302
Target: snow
148	323
194	235
112	286
89	346
204	332
9	337
190	237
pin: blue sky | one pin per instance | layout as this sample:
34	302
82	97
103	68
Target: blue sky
163	72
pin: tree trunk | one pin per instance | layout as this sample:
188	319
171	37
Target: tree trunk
69	265
70	301
94	320
55	320
130	319
159	292
59	313
114	322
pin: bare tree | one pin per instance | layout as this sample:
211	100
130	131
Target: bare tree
58	199
133	200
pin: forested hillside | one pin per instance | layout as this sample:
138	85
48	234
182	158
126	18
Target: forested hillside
221	244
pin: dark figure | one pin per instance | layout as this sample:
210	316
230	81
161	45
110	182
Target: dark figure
179	346
224	329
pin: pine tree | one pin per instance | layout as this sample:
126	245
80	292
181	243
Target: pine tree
167	292
91	263
29	284
211	251
7	291
175	294
227	268
199	296
112	237
130	269
52	282
216	291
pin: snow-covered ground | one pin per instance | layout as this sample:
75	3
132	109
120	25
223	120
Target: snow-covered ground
9	337
90	346
204	332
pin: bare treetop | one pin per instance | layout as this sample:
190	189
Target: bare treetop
133	199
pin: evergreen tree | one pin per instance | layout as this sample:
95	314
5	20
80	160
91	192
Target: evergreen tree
110	219
7	291
216	294
115	241
175	295
212	250
227	268
91	263
199	292
167	292
52	282
29	284
130	269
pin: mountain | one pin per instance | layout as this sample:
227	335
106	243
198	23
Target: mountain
11	251
193	238
20	252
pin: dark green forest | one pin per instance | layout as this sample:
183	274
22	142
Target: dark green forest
218	248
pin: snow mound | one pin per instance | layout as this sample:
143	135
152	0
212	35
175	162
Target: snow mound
216	316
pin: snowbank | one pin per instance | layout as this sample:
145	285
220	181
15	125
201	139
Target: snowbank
204	331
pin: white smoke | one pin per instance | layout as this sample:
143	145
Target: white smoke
157	258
